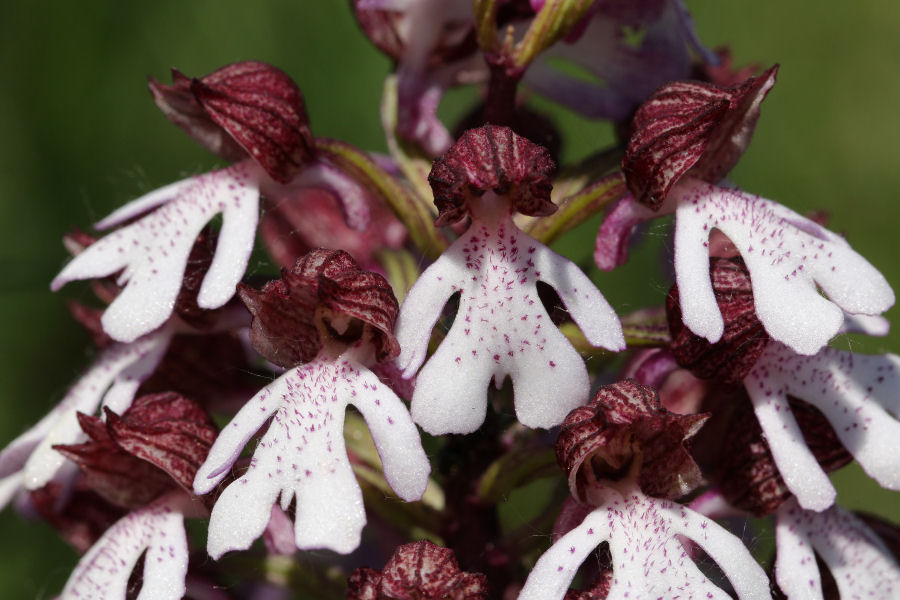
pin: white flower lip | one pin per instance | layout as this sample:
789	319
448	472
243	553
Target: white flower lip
648	560
152	251
302	455
501	329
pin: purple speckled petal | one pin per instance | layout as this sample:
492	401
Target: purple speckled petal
303	455
422	308
157	529
614	236
113	380
787	256
856	393
396	438
152	252
648	559
501	329
860	563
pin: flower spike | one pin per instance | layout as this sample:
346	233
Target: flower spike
501	328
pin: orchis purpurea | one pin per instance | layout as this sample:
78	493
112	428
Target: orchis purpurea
621	451
857	394
249	112
327	322
143	460
686	137
501	327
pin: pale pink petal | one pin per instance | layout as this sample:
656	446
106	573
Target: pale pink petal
874	325
158	529
302	455
860	563
584	302
787	255
648	559
614	236
795	461
450	393
858	394
396	438
142	205
153	250
551	576
113	379
743	572
422	307
234	436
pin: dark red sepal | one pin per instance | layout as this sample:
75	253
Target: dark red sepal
731	358
492	158
168	431
418	570
746	471
249	106
624	420
325	291
117	476
690	126
179	105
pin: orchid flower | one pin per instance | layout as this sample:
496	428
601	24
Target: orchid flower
501	327
245	109
688	134
859	396
29	462
621	447
860	563
158	530
311	316
648	559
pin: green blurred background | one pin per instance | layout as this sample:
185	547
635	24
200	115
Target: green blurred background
80	136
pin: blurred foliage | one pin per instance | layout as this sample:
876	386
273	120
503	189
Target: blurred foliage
81	136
